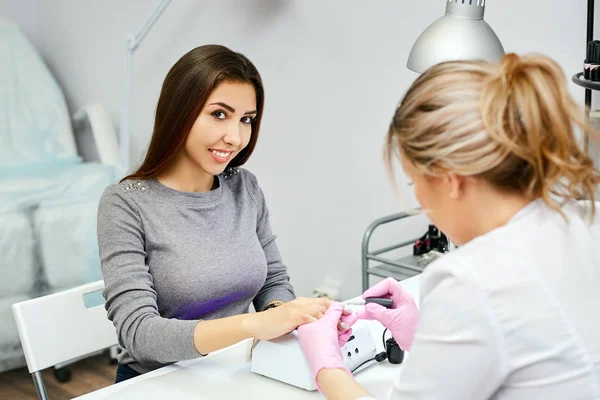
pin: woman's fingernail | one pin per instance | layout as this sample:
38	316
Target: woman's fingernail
344	326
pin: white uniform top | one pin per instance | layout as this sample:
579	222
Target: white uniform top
513	314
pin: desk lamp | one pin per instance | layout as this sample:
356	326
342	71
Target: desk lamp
461	34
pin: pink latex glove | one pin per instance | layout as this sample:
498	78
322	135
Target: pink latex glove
402	320
321	340
348	320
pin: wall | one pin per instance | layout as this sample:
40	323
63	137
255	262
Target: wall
333	70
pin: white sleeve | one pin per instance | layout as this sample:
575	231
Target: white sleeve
457	352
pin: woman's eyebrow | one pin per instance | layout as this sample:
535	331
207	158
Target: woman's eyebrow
231	109
228	107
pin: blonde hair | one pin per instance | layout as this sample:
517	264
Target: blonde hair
511	124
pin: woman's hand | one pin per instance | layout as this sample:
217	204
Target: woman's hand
321	340
402	320
278	321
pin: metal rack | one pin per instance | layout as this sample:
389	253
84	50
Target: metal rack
400	268
578	77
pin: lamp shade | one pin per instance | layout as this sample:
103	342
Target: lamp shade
461	34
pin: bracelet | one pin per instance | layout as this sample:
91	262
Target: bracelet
273	304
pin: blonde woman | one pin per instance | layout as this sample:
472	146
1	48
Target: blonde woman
514	313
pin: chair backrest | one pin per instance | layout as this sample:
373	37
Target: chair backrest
59	327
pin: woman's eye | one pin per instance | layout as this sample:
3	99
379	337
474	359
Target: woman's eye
247	120
219	114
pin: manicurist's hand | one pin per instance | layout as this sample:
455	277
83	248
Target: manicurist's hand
321	340
402	319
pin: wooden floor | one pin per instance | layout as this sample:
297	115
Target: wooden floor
86	376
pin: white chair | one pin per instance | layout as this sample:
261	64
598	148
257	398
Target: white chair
59	327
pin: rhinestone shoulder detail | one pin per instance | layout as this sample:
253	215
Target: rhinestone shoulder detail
229	172
131	186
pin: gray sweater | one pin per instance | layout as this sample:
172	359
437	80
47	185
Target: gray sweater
171	258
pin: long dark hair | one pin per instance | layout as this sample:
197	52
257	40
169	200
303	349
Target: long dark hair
183	95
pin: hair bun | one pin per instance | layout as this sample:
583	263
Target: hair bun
510	66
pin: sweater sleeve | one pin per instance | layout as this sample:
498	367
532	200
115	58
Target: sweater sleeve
129	291
277	284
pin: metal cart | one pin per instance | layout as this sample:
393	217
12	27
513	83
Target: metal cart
400	268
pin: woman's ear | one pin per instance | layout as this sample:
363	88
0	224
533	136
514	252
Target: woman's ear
455	184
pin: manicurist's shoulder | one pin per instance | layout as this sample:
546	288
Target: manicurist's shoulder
462	268
443	272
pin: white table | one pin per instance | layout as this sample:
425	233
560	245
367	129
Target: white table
225	374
